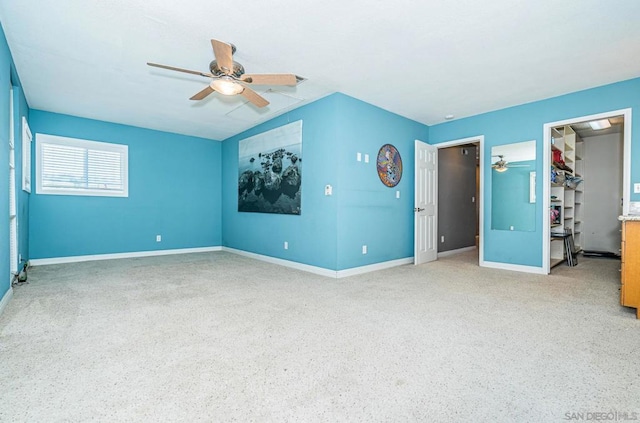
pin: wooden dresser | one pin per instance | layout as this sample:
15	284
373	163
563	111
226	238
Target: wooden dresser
630	268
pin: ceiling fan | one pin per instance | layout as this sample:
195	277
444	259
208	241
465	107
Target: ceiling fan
501	165
228	77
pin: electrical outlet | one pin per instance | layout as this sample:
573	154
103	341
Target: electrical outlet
158	238
286	245
364	249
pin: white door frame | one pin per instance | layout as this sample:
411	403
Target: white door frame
471	140
13	200
546	176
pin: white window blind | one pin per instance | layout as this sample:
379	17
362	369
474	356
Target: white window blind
69	166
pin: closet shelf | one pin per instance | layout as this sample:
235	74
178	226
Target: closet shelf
567	142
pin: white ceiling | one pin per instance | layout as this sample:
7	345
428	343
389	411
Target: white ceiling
422	60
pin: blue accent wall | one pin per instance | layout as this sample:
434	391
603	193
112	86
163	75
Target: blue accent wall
311	235
524	123
331	230
185	188
8	77
5	81
368	211
174	191
21	109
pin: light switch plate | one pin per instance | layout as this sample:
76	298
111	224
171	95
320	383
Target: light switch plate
636	188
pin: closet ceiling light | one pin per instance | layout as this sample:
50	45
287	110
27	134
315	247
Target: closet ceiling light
600	124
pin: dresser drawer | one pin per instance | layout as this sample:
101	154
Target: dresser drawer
630	264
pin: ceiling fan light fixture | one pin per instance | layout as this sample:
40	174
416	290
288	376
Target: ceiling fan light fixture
600	124
226	86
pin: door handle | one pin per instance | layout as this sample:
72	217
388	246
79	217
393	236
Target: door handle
418	209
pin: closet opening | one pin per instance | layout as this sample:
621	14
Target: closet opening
585	187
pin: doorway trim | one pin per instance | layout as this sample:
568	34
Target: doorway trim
470	140
546	176
13	195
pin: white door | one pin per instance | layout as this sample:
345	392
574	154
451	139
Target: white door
426	207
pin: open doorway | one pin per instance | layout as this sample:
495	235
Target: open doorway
586	188
460	193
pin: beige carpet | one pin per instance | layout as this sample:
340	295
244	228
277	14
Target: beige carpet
220	337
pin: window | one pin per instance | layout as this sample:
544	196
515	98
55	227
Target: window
69	166
26	155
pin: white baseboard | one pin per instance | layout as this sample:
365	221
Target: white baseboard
514	267
287	263
321	270
456	251
373	267
5	299
76	259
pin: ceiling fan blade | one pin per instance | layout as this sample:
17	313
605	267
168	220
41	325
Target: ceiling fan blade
254	97
202	94
270	79
223	53
208	75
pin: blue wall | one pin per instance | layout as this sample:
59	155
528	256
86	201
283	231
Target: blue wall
9	77
524	123
174	191
368	211
5	81
331	230
21	109
311	235
185	188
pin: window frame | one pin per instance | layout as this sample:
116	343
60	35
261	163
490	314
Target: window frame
121	149
27	138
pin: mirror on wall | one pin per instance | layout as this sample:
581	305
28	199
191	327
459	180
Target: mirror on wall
513	187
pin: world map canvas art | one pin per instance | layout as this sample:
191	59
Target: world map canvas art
270	171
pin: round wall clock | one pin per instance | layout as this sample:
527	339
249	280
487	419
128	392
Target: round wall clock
389	165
